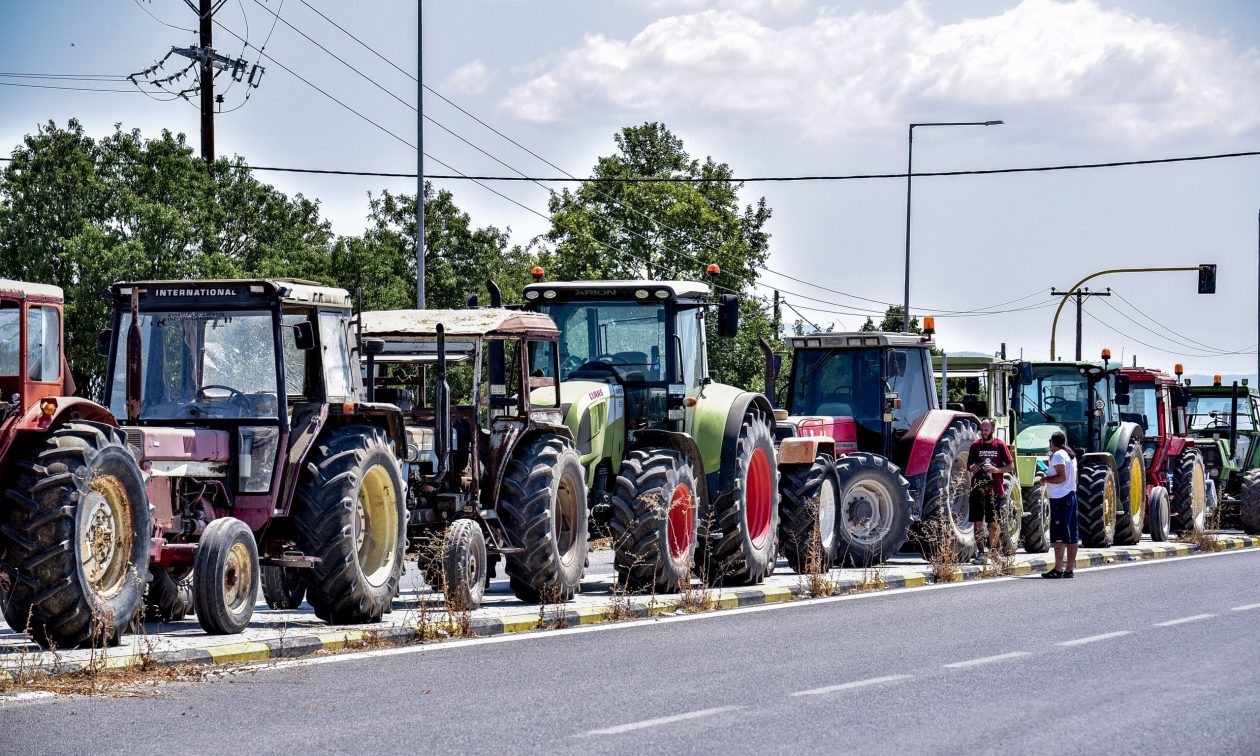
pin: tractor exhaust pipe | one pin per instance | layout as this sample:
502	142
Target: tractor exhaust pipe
497	368
1233	419
771	373
441	409
134	376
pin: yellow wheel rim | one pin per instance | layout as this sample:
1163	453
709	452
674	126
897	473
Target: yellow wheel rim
376	525
1137	487
238	578
1198	492
568	512
1109	505
105	536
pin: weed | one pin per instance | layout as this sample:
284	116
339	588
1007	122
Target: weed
1204	540
816	580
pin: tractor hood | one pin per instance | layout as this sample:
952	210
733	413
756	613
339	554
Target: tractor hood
589	409
1035	439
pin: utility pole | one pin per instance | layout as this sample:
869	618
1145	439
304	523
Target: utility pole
419	155
207	82
1080	295
776	319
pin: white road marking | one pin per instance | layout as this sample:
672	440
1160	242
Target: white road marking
850	685
647	723
1244	608
1095	638
1183	620
985	660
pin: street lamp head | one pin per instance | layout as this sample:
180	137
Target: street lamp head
994	123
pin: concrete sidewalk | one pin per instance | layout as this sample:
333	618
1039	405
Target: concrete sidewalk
419	614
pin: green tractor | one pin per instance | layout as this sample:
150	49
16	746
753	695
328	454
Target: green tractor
1085	400
682	469
1226	424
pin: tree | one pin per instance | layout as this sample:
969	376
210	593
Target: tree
893	321
666	230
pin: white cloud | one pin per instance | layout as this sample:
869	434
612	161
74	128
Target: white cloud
1068	66
742	6
471	78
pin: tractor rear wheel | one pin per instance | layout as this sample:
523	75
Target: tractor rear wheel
873	513
463	566
1189	489
225	577
543	507
1157	515
349	512
1096	504
1131	502
1035	523
946	493
283	587
168	597
748	517
807	528
75	530
1249	507
656	513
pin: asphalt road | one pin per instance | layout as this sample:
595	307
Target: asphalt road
1157	657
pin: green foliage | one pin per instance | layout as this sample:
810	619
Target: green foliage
893	321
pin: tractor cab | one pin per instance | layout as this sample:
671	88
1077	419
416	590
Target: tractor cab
31	365
1157	404
980	386
1082	399
1225	420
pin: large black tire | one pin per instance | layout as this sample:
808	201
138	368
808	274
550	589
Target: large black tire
1035	523
748	517
1189	493
1130	495
168	597
349	512
543	508
283	587
462	577
873	509
1249	506
1096	504
656	510
1157	514
225	577
807	524
75	531
946	493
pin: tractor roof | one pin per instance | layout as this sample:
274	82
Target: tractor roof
633	290
24	290
1225	390
209	292
963	366
1143	375
859	339
483	322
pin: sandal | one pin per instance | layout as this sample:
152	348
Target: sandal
1067	574
1053	574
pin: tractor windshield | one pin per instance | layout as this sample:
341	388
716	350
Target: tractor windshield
200	365
1211	413
627	338
1143	408
1057	395
840	383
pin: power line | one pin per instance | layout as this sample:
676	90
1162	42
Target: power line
1192	343
1176	342
64	77
160	21
76	89
1118	332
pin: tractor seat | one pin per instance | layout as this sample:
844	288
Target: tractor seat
400	398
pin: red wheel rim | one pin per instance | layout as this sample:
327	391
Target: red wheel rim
758	497
681	521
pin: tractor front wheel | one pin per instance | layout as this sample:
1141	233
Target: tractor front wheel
656	510
1035	523
946	493
807	528
462	578
349	512
1157	515
873	511
1096	504
75	529
543	507
1249	507
168	597
283	587
225	577
1131	486
1189	489
748	517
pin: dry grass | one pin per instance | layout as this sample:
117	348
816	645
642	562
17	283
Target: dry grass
816	581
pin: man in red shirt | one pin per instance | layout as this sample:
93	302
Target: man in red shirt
989	456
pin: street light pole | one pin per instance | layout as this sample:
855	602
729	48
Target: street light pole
909	187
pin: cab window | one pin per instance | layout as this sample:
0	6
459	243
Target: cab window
9	330
333	336
43	344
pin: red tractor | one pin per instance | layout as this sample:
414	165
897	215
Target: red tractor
1175	471
902	461
74	521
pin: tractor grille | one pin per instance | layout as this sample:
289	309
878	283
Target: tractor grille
135	440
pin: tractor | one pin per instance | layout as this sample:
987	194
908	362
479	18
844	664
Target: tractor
1176	478
74	522
985	392
1225	420
490	475
243	402
1083	400
681	468
902	461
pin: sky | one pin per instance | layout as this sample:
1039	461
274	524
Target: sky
773	88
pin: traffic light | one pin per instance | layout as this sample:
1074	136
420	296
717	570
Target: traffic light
1207	279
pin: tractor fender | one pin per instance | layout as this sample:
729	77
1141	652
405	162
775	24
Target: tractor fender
921	440
68	408
680	442
1119	439
803	450
1177	445
733	404
1106	458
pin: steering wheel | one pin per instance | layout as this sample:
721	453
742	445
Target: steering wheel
235	397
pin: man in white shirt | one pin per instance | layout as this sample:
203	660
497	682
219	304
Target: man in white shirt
1060	480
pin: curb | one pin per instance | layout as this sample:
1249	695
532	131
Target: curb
616	609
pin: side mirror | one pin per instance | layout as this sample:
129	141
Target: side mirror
1179	398
1122	386
972	386
373	346
778	364
1122	400
728	316
304	335
1026	377
103	340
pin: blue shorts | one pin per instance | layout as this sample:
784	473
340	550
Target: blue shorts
1063	525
